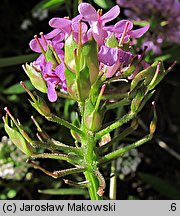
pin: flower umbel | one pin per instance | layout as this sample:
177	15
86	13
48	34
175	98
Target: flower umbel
94	64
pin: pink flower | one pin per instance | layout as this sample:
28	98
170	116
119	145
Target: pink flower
54	38
54	78
121	25
68	26
113	59
97	21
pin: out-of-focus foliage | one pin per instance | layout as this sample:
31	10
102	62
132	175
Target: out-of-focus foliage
12	161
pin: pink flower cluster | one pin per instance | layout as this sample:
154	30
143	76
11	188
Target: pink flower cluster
109	38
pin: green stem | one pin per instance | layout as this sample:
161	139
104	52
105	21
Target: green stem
88	146
113	179
70	159
93	185
114	96
55	145
76	184
119	152
63	95
118	104
69	171
61	121
116	139
115	125
113	182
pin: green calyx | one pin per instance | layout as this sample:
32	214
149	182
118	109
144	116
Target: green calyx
17	138
51	56
36	77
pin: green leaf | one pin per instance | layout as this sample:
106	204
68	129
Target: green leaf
50	57
17	88
146	98
160	185
17	60
105	4
64	191
76	123
47	4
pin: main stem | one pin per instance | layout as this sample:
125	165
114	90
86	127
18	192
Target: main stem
90	161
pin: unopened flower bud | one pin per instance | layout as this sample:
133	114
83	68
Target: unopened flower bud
153	123
69	48
94	121
35	77
90	55
17	138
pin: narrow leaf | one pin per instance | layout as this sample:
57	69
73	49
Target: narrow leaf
64	191
17	88
105	4
47	4
160	185
17	60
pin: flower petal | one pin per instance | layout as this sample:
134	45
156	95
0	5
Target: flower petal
58	38
52	34
76	18
111	14
59	71
47	69
139	32
99	33
40	63
124	57
61	23
87	12
75	27
51	92
119	26
35	46
108	55
112	69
